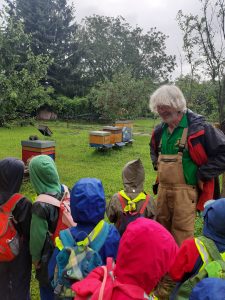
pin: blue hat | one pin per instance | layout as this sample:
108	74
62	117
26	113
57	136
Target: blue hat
214	222
209	289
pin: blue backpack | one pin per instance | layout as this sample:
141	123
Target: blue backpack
76	260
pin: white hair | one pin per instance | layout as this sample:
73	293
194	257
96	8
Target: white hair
169	95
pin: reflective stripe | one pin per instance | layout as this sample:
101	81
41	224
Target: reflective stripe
58	243
94	233
203	253
90	238
206	258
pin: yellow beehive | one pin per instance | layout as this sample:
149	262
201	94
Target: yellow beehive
116	134
124	123
99	138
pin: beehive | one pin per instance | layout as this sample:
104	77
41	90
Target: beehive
124	123
37	147
116	134
99	138
127	128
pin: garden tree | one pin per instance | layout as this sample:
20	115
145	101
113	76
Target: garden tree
52	26
122	97
201	96
204	42
110	45
20	73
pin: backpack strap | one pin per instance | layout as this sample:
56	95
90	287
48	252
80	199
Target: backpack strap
48	199
183	141
108	270
211	248
67	238
100	239
144	204
122	202
10	204
97	236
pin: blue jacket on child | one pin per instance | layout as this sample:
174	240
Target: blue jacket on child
87	203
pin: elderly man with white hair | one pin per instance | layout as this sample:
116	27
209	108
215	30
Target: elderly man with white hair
188	154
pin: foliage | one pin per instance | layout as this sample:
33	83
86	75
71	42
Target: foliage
204	37
52	27
20	73
109	45
77	108
200	95
123	97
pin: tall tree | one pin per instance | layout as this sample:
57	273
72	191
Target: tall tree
122	97
52	27
110	45
20	73
204	44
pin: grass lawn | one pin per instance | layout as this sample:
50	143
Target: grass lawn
75	159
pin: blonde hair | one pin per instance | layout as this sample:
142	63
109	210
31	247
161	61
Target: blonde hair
169	95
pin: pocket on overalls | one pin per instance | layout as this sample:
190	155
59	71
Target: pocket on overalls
193	196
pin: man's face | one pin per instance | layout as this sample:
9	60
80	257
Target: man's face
167	113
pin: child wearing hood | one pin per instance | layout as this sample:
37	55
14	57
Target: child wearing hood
146	252
15	275
45	180
193	254
87	202
131	202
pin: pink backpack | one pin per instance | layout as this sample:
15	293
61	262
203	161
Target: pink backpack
109	283
65	219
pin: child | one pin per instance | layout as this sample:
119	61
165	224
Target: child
15	275
194	253
130	203
146	252
87	202
88	205
45	180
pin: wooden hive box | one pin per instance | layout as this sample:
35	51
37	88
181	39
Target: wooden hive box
37	147
124	123
99	138
127	128
116	134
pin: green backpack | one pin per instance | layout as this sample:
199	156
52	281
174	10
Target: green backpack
215	268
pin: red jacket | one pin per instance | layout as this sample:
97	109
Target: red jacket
146	253
206	146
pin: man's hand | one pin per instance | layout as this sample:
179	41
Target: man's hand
200	184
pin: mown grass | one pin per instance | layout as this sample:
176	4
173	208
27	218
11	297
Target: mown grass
75	159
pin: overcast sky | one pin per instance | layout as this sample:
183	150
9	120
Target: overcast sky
146	14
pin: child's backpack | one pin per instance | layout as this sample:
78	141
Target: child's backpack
129	216
104	288
76	260
9	237
214	268
65	219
